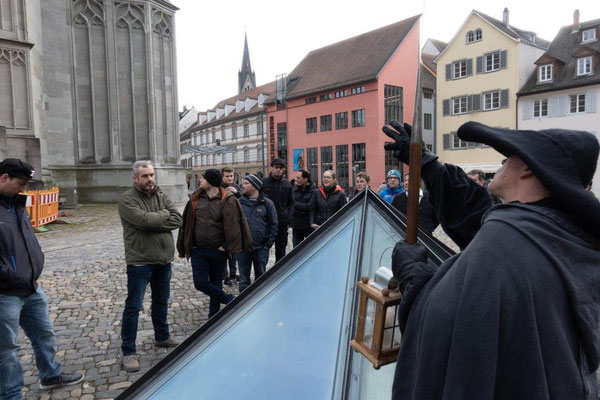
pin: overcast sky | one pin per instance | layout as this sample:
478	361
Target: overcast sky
210	34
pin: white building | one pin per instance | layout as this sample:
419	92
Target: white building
563	91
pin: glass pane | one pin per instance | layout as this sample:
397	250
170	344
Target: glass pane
283	343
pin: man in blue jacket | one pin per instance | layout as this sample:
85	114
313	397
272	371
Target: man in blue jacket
22	300
262	219
393	186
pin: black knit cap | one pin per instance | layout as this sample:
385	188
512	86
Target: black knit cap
16	168
563	160
254	181
213	176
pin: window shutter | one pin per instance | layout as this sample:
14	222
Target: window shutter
446	141
446	107
552	106
479	63
503	54
469	66
448	72
504	98
476	102
590	101
469	103
528	109
563	106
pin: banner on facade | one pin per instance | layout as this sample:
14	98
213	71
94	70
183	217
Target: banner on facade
298	159
208	149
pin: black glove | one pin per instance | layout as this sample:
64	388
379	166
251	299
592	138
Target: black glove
410	261
401	146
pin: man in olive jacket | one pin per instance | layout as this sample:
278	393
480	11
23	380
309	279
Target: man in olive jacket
148	217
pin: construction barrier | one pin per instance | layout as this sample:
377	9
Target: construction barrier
42	206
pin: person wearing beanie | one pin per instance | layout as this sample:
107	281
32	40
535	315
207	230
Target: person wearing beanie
262	219
393	186
514	315
213	226
326	201
22	300
279	191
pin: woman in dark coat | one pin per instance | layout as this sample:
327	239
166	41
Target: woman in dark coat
327	200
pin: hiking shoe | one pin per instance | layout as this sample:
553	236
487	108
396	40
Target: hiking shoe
130	363
170	342
227	282
61	380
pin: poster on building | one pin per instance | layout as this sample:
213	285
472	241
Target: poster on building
298	159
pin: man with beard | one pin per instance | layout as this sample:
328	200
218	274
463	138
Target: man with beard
279	191
228	184
514	315
148	216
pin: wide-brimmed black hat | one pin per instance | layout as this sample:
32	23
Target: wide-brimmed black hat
563	160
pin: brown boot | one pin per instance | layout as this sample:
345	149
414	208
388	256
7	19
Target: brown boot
130	363
170	342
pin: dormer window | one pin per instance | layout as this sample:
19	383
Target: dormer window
584	66
588	35
470	37
545	74
478	35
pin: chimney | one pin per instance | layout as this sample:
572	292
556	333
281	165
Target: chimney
576	21
505	17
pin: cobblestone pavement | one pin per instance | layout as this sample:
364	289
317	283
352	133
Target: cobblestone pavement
85	280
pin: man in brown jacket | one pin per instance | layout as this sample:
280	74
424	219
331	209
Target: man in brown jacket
213	225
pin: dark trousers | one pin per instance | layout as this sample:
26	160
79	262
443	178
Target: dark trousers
259	258
231	261
207	269
138	277
298	235
281	242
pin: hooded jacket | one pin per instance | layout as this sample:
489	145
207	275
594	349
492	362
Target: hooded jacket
302	207
388	193
514	315
148	220
324	206
262	220
21	257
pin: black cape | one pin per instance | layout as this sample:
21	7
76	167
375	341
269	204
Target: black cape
515	315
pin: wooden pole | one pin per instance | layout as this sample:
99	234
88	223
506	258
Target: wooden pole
414	170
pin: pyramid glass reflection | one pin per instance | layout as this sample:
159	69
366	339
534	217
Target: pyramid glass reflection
287	336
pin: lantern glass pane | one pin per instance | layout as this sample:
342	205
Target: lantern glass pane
391	331
369	323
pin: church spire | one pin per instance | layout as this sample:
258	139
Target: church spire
246	79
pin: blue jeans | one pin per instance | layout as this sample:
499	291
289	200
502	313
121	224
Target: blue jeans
31	313
207	269
259	258
138	277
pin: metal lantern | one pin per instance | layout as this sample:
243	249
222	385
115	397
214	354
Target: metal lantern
377	333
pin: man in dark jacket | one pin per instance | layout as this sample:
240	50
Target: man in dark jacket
22	300
428	220
229	185
262	219
515	314
279	190
302	192
148	216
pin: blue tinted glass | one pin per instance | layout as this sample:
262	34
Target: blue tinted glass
284	346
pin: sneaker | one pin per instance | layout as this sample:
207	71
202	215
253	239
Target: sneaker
235	277
130	363
61	380
170	342
227	282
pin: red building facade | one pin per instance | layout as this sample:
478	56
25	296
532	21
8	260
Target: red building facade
330	113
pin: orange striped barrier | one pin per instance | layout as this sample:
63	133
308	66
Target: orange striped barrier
42	206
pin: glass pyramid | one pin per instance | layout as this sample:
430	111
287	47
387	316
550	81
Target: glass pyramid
287	336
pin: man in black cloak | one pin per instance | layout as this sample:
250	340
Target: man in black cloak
515	314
